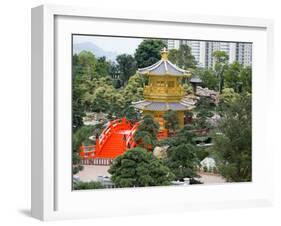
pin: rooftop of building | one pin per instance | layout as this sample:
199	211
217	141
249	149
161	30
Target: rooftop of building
163	67
163	106
188	102
195	80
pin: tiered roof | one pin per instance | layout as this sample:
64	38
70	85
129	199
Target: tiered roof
163	106
163	67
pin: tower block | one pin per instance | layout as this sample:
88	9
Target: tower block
164	90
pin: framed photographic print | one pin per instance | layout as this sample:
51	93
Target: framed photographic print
136	113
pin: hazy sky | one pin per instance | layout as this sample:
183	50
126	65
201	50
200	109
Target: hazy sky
112	44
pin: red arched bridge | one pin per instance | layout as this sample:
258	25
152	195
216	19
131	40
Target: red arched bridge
115	139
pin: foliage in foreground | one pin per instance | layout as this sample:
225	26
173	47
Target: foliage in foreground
139	168
182	161
171	120
233	147
81	136
131	114
146	134
87	185
182	154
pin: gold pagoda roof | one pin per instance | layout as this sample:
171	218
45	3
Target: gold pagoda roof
163	106
163	67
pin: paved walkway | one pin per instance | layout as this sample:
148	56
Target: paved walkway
91	172
208	178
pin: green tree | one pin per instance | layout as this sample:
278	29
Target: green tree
233	148
88	74
87	185
114	70
187	88
205	109
173	56
130	114
86	64
238	77
146	134
77	92
228	96
148	52
220	57
117	103
232	76
107	99
184	136
101	99
246	79
171	120
76	163
182	57
139	168
209	79
221	64
102	67
182	161
77	108
133	91
81	136
127	67
76	67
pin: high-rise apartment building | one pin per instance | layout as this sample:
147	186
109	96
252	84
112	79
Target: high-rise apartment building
195	48
203	51
172	44
244	53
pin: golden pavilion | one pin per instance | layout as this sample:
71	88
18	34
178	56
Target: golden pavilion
164	90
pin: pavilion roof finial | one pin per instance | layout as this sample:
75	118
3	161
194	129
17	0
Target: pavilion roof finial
163	67
164	54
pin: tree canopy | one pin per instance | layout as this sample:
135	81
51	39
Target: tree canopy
209	78
148	52
220	56
127	66
131	114
220	65
146	134
81	136
134	89
182	57
183	161
139	168
233	147
238	77
204	109
171	120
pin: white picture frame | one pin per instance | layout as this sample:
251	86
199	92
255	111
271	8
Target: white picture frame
52	197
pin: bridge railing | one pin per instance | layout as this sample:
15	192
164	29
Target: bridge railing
113	126
87	151
130	139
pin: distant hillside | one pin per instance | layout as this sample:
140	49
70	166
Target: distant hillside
99	52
